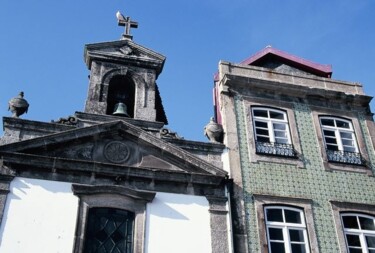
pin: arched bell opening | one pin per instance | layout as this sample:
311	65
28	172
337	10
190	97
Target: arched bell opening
121	89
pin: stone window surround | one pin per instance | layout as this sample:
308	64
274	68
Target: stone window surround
111	197
317	112
339	207
279	105
261	201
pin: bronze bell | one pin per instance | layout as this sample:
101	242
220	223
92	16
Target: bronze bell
121	110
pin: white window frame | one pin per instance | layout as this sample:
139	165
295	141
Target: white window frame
270	121
362	233
337	131
286	227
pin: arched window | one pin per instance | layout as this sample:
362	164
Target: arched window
359	230
286	230
121	89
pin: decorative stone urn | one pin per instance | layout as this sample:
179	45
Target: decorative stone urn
214	131
18	105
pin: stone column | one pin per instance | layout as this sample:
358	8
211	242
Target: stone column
219	224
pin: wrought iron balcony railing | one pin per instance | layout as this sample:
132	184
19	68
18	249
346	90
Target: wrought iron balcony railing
345	157
278	149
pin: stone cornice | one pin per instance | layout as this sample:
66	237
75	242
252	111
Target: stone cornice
89	119
171	152
61	166
252	78
47	127
100	51
81	189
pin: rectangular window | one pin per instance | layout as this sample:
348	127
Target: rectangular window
111	219
271	130
109	230
340	141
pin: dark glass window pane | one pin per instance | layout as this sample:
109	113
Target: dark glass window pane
262	132
277	247
281	140
261	113
353	240
276	115
276	234
332	147
280	134
261	124
342	124
274	215
370	241
327	122
296	235
354	250
298	248
292	216
279	126
346	135
330	140
350	221
371	251
366	223
349	149
347	142
329	133
263	139
109	230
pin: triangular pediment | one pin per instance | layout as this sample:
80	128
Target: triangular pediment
123	51
118	144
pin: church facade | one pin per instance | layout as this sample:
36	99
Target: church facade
301	155
112	178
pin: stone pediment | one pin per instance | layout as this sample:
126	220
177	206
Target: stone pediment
122	51
118	144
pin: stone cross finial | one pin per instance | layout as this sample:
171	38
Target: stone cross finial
127	23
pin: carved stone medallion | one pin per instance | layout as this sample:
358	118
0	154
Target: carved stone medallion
116	152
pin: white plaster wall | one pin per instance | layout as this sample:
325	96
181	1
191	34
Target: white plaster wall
225	161
40	216
178	223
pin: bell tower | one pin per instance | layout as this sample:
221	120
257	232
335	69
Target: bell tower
124	72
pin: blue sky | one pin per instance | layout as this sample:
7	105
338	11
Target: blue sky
41	47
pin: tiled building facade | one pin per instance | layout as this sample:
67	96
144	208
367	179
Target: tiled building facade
301	154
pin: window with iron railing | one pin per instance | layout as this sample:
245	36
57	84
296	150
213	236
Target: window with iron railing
272	135
340	141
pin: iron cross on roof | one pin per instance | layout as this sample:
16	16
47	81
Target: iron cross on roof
125	21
